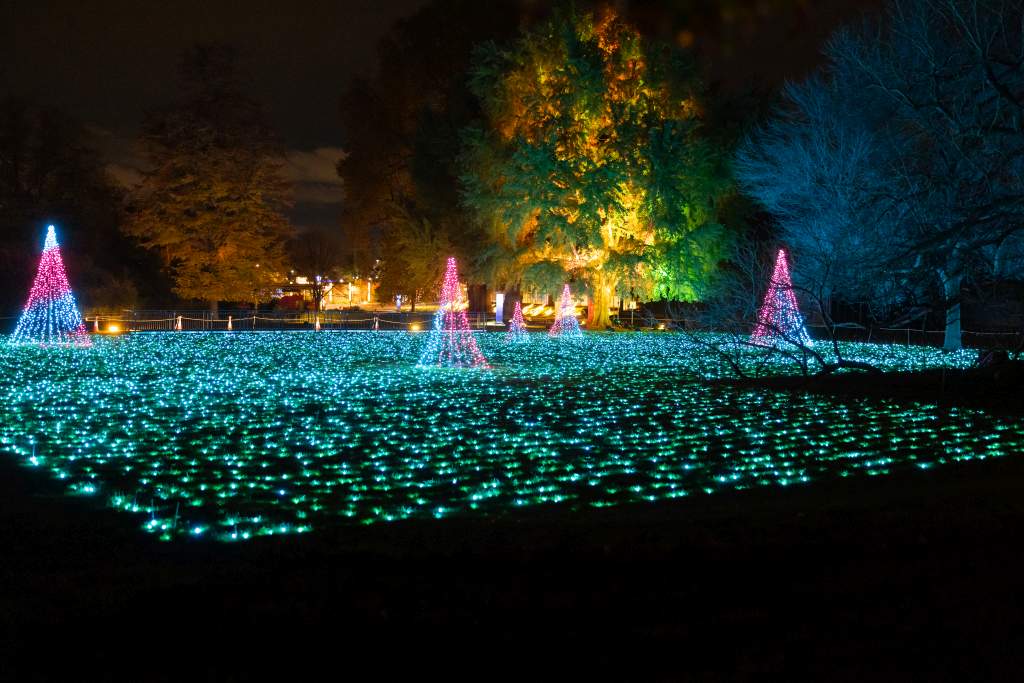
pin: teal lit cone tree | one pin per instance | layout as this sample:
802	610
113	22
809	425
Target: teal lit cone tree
451	342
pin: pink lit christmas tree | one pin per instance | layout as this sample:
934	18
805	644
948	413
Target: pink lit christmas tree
565	324
451	342
51	315
517	333
779	318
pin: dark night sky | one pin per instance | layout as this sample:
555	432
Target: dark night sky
106	61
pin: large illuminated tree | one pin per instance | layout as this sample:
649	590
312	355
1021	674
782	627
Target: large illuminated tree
588	164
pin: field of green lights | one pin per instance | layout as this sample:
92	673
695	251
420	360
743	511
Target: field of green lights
232	436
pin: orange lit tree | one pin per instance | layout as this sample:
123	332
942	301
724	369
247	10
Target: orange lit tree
588	165
213	198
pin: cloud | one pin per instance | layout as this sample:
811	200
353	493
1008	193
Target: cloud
314	176
123	175
124	160
318	191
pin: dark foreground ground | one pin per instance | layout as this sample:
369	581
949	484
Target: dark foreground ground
916	576
996	388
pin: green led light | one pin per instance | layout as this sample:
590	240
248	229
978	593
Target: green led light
233	436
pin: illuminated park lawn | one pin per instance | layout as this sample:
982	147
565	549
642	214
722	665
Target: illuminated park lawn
235	435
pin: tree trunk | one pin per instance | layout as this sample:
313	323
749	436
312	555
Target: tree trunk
214	308
512	295
598	317
951	291
478	302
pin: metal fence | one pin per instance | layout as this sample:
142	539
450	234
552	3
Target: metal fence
240	320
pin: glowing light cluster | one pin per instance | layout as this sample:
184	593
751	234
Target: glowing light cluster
779	318
451	342
51	316
250	434
565	324
517	333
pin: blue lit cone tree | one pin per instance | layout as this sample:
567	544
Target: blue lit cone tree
451	342
779	318
51	316
517	333
566	324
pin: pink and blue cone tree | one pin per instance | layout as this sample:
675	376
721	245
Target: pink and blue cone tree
517	333
566	324
51	316
451	342
779	318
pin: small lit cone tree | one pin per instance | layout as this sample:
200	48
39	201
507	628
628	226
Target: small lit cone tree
51	315
517	333
451	342
779	318
566	324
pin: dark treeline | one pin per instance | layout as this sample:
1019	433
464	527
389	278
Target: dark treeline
51	173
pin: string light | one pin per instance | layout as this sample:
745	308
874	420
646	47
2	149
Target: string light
270	433
451	342
779	318
51	316
565	324
517	327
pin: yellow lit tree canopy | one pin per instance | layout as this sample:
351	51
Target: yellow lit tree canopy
588	165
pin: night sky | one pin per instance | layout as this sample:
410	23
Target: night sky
105	62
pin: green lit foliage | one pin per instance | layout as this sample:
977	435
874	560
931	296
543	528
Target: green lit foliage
211	204
231	436
589	165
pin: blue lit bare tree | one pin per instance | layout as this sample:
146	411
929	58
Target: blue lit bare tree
898	169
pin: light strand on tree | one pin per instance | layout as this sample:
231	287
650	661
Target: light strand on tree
565	324
51	316
451	342
517	327
779	318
